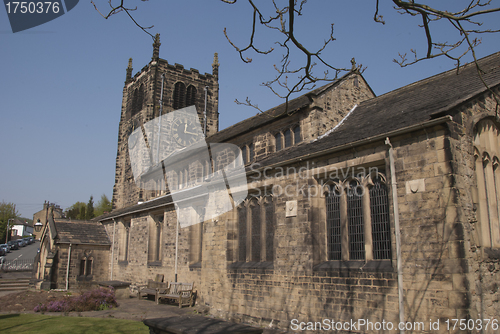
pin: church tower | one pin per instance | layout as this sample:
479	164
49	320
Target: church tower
157	89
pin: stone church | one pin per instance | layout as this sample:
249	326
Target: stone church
359	207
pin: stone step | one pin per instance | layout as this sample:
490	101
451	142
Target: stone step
14	284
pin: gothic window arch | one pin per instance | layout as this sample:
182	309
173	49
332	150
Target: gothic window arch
288	138
137	100
190	96
296	135
86	266
486	154
179	95
155	239
255	230
124	240
357	219
278	142
251	152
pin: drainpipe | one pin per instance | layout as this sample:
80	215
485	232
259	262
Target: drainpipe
67	268
205	113
176	248
398	233
113	249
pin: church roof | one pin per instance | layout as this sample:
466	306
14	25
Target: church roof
410	105
80	232
272	114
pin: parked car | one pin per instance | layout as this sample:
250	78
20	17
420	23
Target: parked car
2	252
6	247
13	244
21	243
27	241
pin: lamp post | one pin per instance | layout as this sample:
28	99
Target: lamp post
7	231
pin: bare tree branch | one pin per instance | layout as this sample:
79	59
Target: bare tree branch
291	78
121	8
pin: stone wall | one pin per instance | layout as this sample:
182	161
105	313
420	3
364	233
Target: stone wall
301	283
100	265
140	104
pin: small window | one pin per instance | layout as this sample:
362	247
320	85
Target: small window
277	140
190	96
179	95
288	138
252	152
244	155
296	135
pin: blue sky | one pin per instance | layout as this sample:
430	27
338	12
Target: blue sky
61	82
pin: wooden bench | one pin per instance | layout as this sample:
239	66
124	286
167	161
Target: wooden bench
180	292
153	288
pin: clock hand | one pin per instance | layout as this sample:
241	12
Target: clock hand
190	133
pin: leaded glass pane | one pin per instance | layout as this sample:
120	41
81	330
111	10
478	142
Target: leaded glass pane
333	225
379	209
355	222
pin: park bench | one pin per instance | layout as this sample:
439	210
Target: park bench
153	288
180	292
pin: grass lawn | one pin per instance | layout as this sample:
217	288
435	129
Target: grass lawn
41	324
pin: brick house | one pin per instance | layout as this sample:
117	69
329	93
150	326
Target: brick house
358	207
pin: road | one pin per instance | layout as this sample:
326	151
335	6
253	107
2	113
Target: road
26	252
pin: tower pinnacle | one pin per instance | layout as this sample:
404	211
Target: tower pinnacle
156	47
215	65
128	78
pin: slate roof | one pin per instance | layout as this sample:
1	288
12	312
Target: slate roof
410	105
80	232
153	203
272	114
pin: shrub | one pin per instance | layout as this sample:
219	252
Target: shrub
93	300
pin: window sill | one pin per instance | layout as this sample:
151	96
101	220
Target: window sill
492	253
251	265
370	266
196	265
154	264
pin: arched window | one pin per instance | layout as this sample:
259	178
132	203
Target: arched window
137	100
288	138
255	230
242	233
190	96
296	135
355	221
133	108
379	209
277	141
362	214
251	152
244	155
333	224
487	153
179	95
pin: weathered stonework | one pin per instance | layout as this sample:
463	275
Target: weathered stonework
271	259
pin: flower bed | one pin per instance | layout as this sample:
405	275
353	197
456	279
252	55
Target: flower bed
93	300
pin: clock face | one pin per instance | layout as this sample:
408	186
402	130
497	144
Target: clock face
185	131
